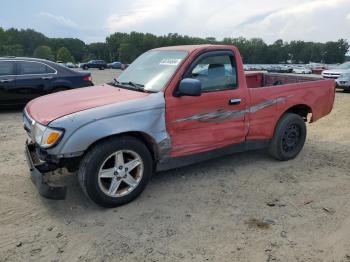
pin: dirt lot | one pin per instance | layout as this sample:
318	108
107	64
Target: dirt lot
243	207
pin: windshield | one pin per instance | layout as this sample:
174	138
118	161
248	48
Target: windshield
153	69
344	66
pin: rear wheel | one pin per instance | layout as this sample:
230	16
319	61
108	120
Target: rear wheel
289	137
85	67
102	68
115	171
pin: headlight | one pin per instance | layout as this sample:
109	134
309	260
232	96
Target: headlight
46	136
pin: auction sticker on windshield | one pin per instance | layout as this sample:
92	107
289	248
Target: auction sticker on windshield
170	61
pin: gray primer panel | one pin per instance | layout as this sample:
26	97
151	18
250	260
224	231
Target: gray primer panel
146	115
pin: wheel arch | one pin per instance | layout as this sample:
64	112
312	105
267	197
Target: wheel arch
60	83
146	139
59	86
300	109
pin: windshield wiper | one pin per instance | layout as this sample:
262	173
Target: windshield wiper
138	87
116	82
131	85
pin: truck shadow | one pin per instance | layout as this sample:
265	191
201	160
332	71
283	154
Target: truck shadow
178	183
159	182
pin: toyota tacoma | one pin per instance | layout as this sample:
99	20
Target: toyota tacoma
171	107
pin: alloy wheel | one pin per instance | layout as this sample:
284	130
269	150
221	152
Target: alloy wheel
120	173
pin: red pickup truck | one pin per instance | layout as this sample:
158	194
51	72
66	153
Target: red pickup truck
171	107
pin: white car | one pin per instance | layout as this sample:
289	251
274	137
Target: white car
341	74
337	71
302	70
343	81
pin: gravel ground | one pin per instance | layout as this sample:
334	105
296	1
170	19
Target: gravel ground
243	207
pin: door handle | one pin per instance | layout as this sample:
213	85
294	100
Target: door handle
46	77
234	101
6	80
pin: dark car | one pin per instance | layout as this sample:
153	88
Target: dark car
115	65
100	64
22	79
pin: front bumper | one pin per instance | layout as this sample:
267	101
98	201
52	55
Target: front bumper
343	83
39	172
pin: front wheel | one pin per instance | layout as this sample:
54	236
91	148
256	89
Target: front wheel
289	137
115	171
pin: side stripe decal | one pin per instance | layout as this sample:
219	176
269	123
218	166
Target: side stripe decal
221	114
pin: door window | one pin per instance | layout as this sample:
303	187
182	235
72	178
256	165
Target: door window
6	68
216	72
50	70
28	68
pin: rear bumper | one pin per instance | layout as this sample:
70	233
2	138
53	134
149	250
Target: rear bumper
39	172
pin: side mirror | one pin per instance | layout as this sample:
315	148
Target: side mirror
190	87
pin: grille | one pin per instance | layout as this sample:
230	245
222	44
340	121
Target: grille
330	76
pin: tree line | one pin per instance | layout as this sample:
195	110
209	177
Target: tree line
125	47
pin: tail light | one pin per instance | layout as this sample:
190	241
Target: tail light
87	78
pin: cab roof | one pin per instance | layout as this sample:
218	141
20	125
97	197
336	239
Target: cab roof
192	48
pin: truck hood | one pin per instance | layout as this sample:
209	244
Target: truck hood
50	107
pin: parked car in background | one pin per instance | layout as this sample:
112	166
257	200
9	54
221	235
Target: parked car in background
302	70
316	68
22	79
100	64
337	71
115	65
343	82
71	65
279	69
125	66
172	107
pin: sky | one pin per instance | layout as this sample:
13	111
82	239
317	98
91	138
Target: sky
92	20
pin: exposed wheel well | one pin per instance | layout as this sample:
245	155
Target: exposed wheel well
143	137
301	110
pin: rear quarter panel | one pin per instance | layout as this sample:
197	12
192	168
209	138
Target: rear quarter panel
318	95
67	77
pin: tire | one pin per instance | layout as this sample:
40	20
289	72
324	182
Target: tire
289	137
102	68
101	157
85	68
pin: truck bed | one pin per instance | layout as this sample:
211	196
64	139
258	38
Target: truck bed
261	79
282	92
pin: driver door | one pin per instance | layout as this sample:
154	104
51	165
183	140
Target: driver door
217	117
